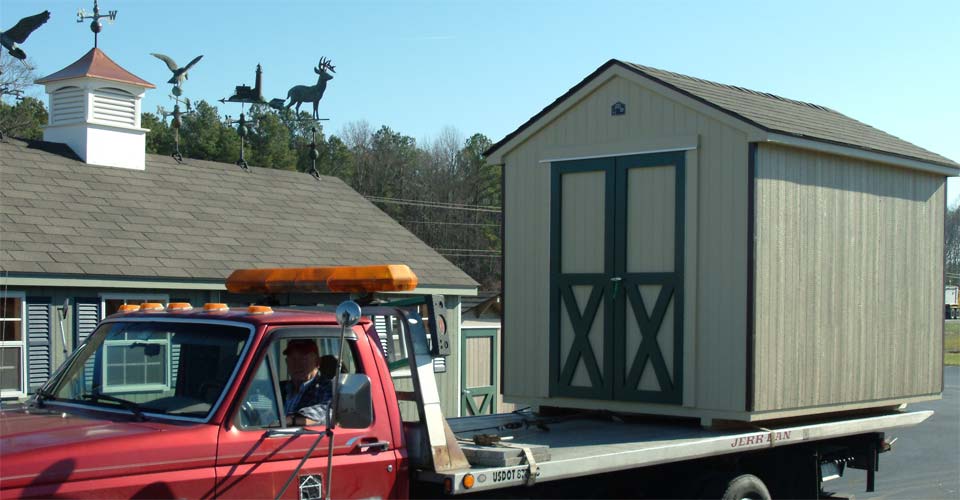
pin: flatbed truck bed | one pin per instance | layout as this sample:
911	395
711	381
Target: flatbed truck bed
591	445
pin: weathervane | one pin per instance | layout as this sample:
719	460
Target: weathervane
95	25
310	93
18	34
242	131
245	95
314	154
176	122
179	74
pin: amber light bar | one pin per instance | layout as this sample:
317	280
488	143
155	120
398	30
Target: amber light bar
341	279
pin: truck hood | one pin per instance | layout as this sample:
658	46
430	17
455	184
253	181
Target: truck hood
46	446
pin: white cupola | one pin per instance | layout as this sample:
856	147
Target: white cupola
95	109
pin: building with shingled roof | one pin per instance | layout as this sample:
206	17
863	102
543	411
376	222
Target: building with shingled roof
89	222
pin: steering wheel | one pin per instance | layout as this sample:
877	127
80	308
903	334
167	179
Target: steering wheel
250	416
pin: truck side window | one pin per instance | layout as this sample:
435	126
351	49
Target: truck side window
259	406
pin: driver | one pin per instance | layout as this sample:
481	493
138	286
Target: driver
307	394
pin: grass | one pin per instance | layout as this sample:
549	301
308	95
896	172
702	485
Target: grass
951	347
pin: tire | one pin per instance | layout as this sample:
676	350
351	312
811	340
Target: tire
746	486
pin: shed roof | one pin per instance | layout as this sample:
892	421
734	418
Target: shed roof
766	111
192	222
96	64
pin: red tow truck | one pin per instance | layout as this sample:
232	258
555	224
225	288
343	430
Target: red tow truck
172	401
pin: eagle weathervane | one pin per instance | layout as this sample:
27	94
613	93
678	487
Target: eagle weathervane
95	26
13	37
179	74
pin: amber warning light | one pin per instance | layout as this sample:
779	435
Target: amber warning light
343	279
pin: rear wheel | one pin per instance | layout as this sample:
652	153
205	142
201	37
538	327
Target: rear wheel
746	486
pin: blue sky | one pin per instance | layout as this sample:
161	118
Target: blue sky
419	66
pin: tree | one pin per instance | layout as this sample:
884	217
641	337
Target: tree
160	138
952	245
20	116
270	141
25	119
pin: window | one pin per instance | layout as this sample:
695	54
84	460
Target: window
136	364
264	397
12	349
110	302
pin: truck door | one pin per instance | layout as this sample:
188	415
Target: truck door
254	461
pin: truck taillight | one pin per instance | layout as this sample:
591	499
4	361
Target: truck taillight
215	307
179	306
128	308
151	307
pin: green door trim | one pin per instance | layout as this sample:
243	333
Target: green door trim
614	376
489	393
561	289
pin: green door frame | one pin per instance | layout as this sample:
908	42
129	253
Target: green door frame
489	393
614	379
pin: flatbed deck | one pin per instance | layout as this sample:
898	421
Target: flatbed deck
593	445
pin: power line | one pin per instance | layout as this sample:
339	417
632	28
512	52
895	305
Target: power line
436	204
478	256
471	250
448	223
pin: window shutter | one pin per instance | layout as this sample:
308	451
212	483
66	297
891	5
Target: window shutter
38	341
86	318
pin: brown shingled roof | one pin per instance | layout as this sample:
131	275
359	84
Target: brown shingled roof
766	111
194	222
96	64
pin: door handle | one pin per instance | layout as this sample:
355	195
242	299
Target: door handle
616	285
368	444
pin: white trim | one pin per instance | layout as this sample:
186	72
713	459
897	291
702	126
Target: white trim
22	344
108	283
860	154
180	285
613	155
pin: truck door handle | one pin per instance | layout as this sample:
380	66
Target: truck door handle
374	444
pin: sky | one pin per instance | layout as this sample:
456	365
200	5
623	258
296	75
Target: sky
420	66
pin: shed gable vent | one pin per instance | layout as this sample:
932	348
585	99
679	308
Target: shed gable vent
114	106
67	105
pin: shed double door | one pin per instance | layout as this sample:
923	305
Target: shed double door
616	274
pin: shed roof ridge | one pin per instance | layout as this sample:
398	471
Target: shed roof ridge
758	93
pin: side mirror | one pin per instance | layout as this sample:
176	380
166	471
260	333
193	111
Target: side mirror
354	406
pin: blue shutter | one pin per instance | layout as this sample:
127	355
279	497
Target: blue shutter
86	317
38	341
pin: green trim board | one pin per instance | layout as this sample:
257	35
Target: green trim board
616	378
489	392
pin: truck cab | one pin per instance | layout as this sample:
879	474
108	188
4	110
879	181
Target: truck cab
182	402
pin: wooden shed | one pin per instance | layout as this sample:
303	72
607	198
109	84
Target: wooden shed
681	247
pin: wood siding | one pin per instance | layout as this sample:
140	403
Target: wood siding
848	280
717	181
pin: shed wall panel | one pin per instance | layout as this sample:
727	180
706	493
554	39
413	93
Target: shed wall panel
848	279
719	198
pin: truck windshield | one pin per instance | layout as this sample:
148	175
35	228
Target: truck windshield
142	367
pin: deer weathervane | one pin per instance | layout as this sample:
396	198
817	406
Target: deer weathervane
95	25
312	93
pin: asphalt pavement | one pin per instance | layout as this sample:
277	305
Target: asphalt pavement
925	461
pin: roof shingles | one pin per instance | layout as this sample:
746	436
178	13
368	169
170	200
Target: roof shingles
198	220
